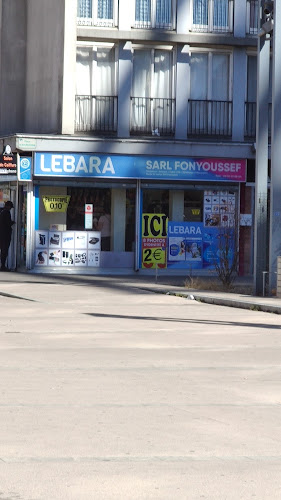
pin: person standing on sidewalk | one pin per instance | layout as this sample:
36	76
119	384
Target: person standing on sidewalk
6	224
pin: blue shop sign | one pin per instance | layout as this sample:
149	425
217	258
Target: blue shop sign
139	167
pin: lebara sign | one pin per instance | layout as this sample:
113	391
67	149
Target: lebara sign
139	167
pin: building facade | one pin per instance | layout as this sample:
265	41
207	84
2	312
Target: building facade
129	109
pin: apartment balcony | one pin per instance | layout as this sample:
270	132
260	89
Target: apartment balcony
96	114
210	119
250	119
152	116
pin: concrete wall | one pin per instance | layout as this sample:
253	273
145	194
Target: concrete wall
44	66
13	65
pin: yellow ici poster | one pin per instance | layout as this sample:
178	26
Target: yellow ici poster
154	240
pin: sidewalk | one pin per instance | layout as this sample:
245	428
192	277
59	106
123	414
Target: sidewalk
172	285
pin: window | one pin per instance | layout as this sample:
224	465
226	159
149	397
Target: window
253	15
96	103
154	14
97	12
153	108
210	110
212	15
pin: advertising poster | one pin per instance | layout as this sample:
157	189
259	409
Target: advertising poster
54	257
54	239
67	248
68	239
41	257
154	240
80	258
94	240
81	240
41	239
67	259
191	245
93	258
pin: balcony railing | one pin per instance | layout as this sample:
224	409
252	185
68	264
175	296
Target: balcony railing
250	119
152	116
210	118
253	17
96	114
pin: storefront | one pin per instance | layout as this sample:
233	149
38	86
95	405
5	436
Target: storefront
185	203
9	191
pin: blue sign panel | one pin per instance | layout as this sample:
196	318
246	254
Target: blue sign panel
25	170
139	167
193	246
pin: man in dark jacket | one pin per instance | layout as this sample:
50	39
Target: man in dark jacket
6	224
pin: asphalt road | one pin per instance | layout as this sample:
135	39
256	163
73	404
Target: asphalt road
110	391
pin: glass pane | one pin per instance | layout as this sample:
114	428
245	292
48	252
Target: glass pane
104	75
105	9
199	76
163	12
220	81
156	201
143	11
220	14
84	8
252	79
101	200
200	12
162	70
130	220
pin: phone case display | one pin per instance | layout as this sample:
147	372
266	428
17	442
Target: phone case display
41	239
54	257
81	240
80	258
67	257
93	258
54	239
41	257
219	209
67	248
67	240
94	240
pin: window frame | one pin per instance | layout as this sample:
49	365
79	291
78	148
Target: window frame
210	54
95	21
152	23
210	28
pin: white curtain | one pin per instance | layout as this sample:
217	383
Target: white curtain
199	76
84	8
200	12
163	12
143	11
105	9
95	84
220	77
220	19
141	89
162	70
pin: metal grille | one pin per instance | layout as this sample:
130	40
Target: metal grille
210	118
96	113
152	116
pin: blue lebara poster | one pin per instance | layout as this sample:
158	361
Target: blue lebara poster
193	246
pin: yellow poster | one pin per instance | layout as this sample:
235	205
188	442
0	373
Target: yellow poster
154	240
56	203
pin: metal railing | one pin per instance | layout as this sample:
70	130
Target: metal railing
152	116
210	118
250	119
96	113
